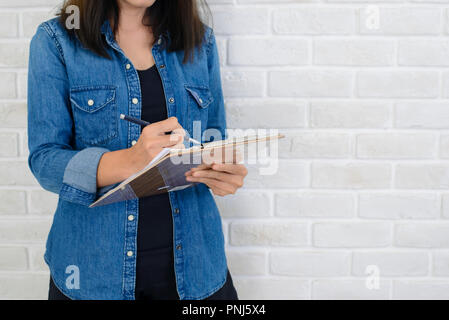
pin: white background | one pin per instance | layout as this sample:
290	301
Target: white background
364	174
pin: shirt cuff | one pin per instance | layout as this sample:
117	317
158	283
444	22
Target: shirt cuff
80	177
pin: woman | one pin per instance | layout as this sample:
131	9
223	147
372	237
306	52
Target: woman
149	59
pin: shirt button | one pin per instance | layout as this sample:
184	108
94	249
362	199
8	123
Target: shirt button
128	66
162	66
178	247
159	42
131	217
176	211
135	101
90	102
129	253
133	142
172	100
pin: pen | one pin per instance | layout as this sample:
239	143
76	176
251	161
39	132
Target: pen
145	123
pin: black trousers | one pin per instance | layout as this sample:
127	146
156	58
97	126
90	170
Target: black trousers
168	292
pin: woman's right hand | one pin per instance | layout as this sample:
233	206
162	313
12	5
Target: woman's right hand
116	166
153	139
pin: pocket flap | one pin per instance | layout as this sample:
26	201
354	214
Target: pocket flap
202	95
91	99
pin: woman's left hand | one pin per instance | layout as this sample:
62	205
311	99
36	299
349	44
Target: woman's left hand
221	178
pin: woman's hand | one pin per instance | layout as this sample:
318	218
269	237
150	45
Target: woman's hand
221	178
153	139
116	166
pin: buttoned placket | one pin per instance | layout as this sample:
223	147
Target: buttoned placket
132	206
171	111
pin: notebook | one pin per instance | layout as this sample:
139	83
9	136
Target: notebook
166	172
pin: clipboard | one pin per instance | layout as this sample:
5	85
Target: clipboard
166	172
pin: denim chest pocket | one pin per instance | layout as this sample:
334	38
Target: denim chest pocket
199	98
95	114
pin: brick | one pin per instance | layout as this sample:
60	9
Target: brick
29	3
310	264
240	113
445	205
423	52
22	85
243	83
220	1
351	289
270	289
230	21
37	261
13	115
354	52
12	202
363	1
14	54
316	145
422	115
9	25
263	1
288	175
7	85
314	21
422	235
399	206
398	84
225	229
43	202
422	176
351	234
244	204
222	49
403	21
350	114
440	263
8	144
391	264
446	84
31	20
13	258
268	52
444	146
24	152
9	176
310	83
269	234
421	290
396	146
246	263
351	175
24	231
315	205
24	286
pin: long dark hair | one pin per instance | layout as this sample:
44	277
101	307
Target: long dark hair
181	18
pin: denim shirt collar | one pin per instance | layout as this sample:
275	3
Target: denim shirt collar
110	39
109	36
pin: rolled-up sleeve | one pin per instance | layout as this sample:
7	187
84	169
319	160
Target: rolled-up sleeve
53	161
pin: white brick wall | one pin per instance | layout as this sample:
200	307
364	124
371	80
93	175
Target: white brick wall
364	175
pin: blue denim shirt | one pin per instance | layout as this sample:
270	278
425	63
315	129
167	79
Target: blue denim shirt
75	98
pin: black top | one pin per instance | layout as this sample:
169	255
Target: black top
155	276
155	226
